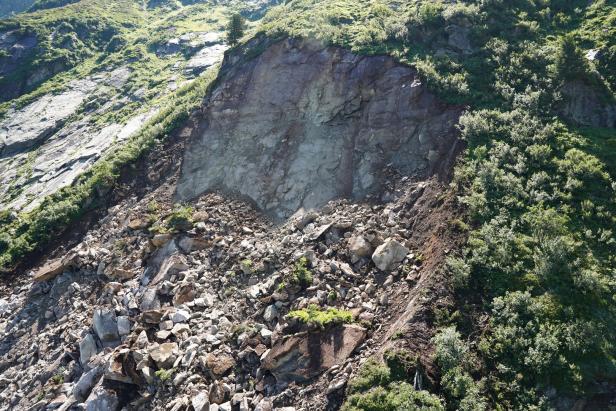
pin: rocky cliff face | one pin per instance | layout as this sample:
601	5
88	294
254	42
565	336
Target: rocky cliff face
303	124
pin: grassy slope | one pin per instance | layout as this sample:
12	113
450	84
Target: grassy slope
68	36
23	234
14	6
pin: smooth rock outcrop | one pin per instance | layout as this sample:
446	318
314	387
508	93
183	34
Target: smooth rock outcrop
584	105
303	124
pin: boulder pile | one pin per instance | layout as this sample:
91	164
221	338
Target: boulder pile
152	310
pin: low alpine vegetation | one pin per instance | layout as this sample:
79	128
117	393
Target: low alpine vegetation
315	316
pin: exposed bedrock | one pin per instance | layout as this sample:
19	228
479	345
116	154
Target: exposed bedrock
303	124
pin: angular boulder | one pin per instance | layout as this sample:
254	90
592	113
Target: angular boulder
359	246
106	326
389	255
54	268
303	356
87	349
164	355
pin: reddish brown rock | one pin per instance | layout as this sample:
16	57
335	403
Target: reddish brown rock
52	269
219	364
303	356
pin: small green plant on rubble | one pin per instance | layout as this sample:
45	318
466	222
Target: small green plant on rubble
180	218
313	315
164	375
301	275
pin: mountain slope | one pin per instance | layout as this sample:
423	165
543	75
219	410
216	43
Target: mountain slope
480	283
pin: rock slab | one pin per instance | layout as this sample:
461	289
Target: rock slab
303	356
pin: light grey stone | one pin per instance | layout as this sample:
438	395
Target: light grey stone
87	349
105	325
389	255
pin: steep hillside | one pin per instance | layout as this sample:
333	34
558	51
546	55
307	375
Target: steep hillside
363	205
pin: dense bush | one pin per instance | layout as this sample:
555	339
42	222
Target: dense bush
315	316
398	396
387	387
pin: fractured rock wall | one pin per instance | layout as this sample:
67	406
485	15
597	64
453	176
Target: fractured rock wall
303	124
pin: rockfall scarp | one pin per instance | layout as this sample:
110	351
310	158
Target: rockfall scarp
302	124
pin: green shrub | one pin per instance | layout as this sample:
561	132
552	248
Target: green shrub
570	62
313	315
181	218
371	374
398	396
301	275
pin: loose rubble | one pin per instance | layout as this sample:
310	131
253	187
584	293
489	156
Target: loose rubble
200	322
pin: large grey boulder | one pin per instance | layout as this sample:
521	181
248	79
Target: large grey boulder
302	124
86	382
102	400
87	349
389	255
106	326
359	246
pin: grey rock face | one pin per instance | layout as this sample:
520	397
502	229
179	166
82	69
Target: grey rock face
583	105
302	124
